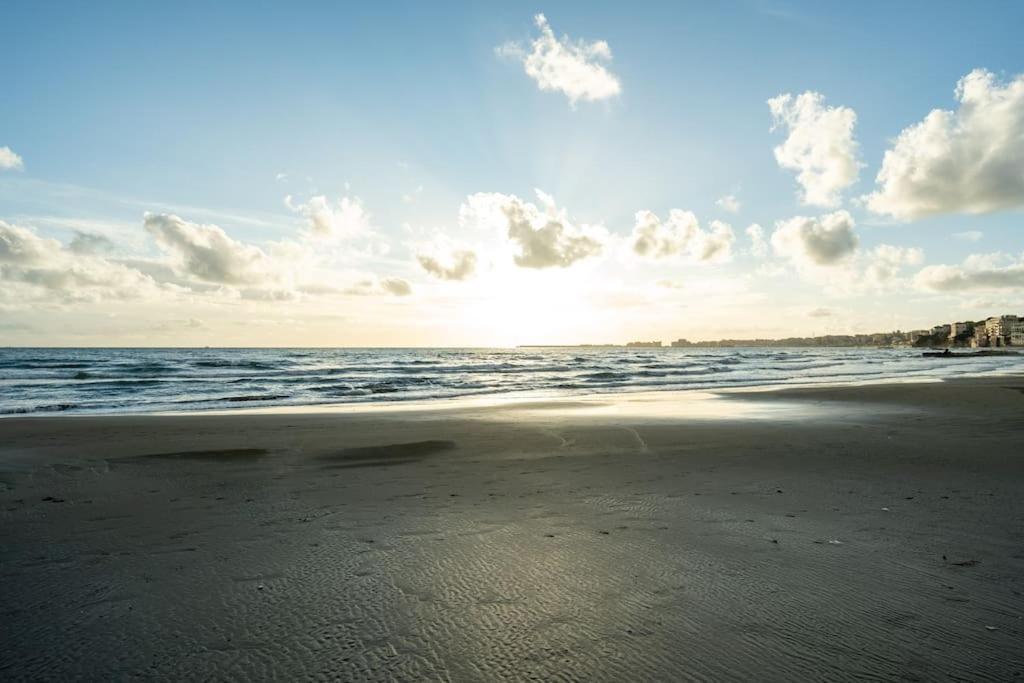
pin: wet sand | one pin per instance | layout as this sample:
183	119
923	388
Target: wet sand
824	533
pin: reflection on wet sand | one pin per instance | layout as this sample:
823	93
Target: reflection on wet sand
804	534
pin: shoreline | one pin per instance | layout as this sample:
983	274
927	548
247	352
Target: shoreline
803	533
512	398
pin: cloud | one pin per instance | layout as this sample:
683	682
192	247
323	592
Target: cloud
90	243
825	253
681	237
978	272
819	145
819	313
9	161
966	161
459	264
542	237
575	68
205	259
207	253
394	286
884	263
36	268
344	219
198	260
758	244
823	241
728	203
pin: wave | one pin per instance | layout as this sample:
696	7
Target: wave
49	408
237	399
38	381
247	364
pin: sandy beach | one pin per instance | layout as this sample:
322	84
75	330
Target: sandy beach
836	532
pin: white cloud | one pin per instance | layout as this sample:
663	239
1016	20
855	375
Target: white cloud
969	235
453	264
9	161
822	241
394	286
205	259
967	161
90	243
978	272
681	236
36	268
344	219
575	68
207	253
728	203
819	313
819	145
988	261
758	244
885	262
542	237
825	253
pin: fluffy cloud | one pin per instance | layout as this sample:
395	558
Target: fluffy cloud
34	267
967	161
825	251
205	259
9	161
198	260
207	253
543	237
758	244
728	203
884	263
574	68
458	264
978	272
90	243
819	145
681	236
344	219
823	241
394	286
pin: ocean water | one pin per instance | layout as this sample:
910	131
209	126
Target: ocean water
51	381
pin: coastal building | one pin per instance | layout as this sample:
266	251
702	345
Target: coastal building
956	329
1016	332
916	335
940	331
645	344
682	342
980	337
1005	330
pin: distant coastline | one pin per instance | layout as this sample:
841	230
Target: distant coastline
995	331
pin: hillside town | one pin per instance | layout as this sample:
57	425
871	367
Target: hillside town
994	332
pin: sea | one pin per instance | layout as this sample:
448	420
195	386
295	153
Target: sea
46	381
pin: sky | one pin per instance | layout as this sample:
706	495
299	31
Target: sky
462	174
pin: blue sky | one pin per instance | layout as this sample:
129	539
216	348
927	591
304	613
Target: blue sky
216	114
